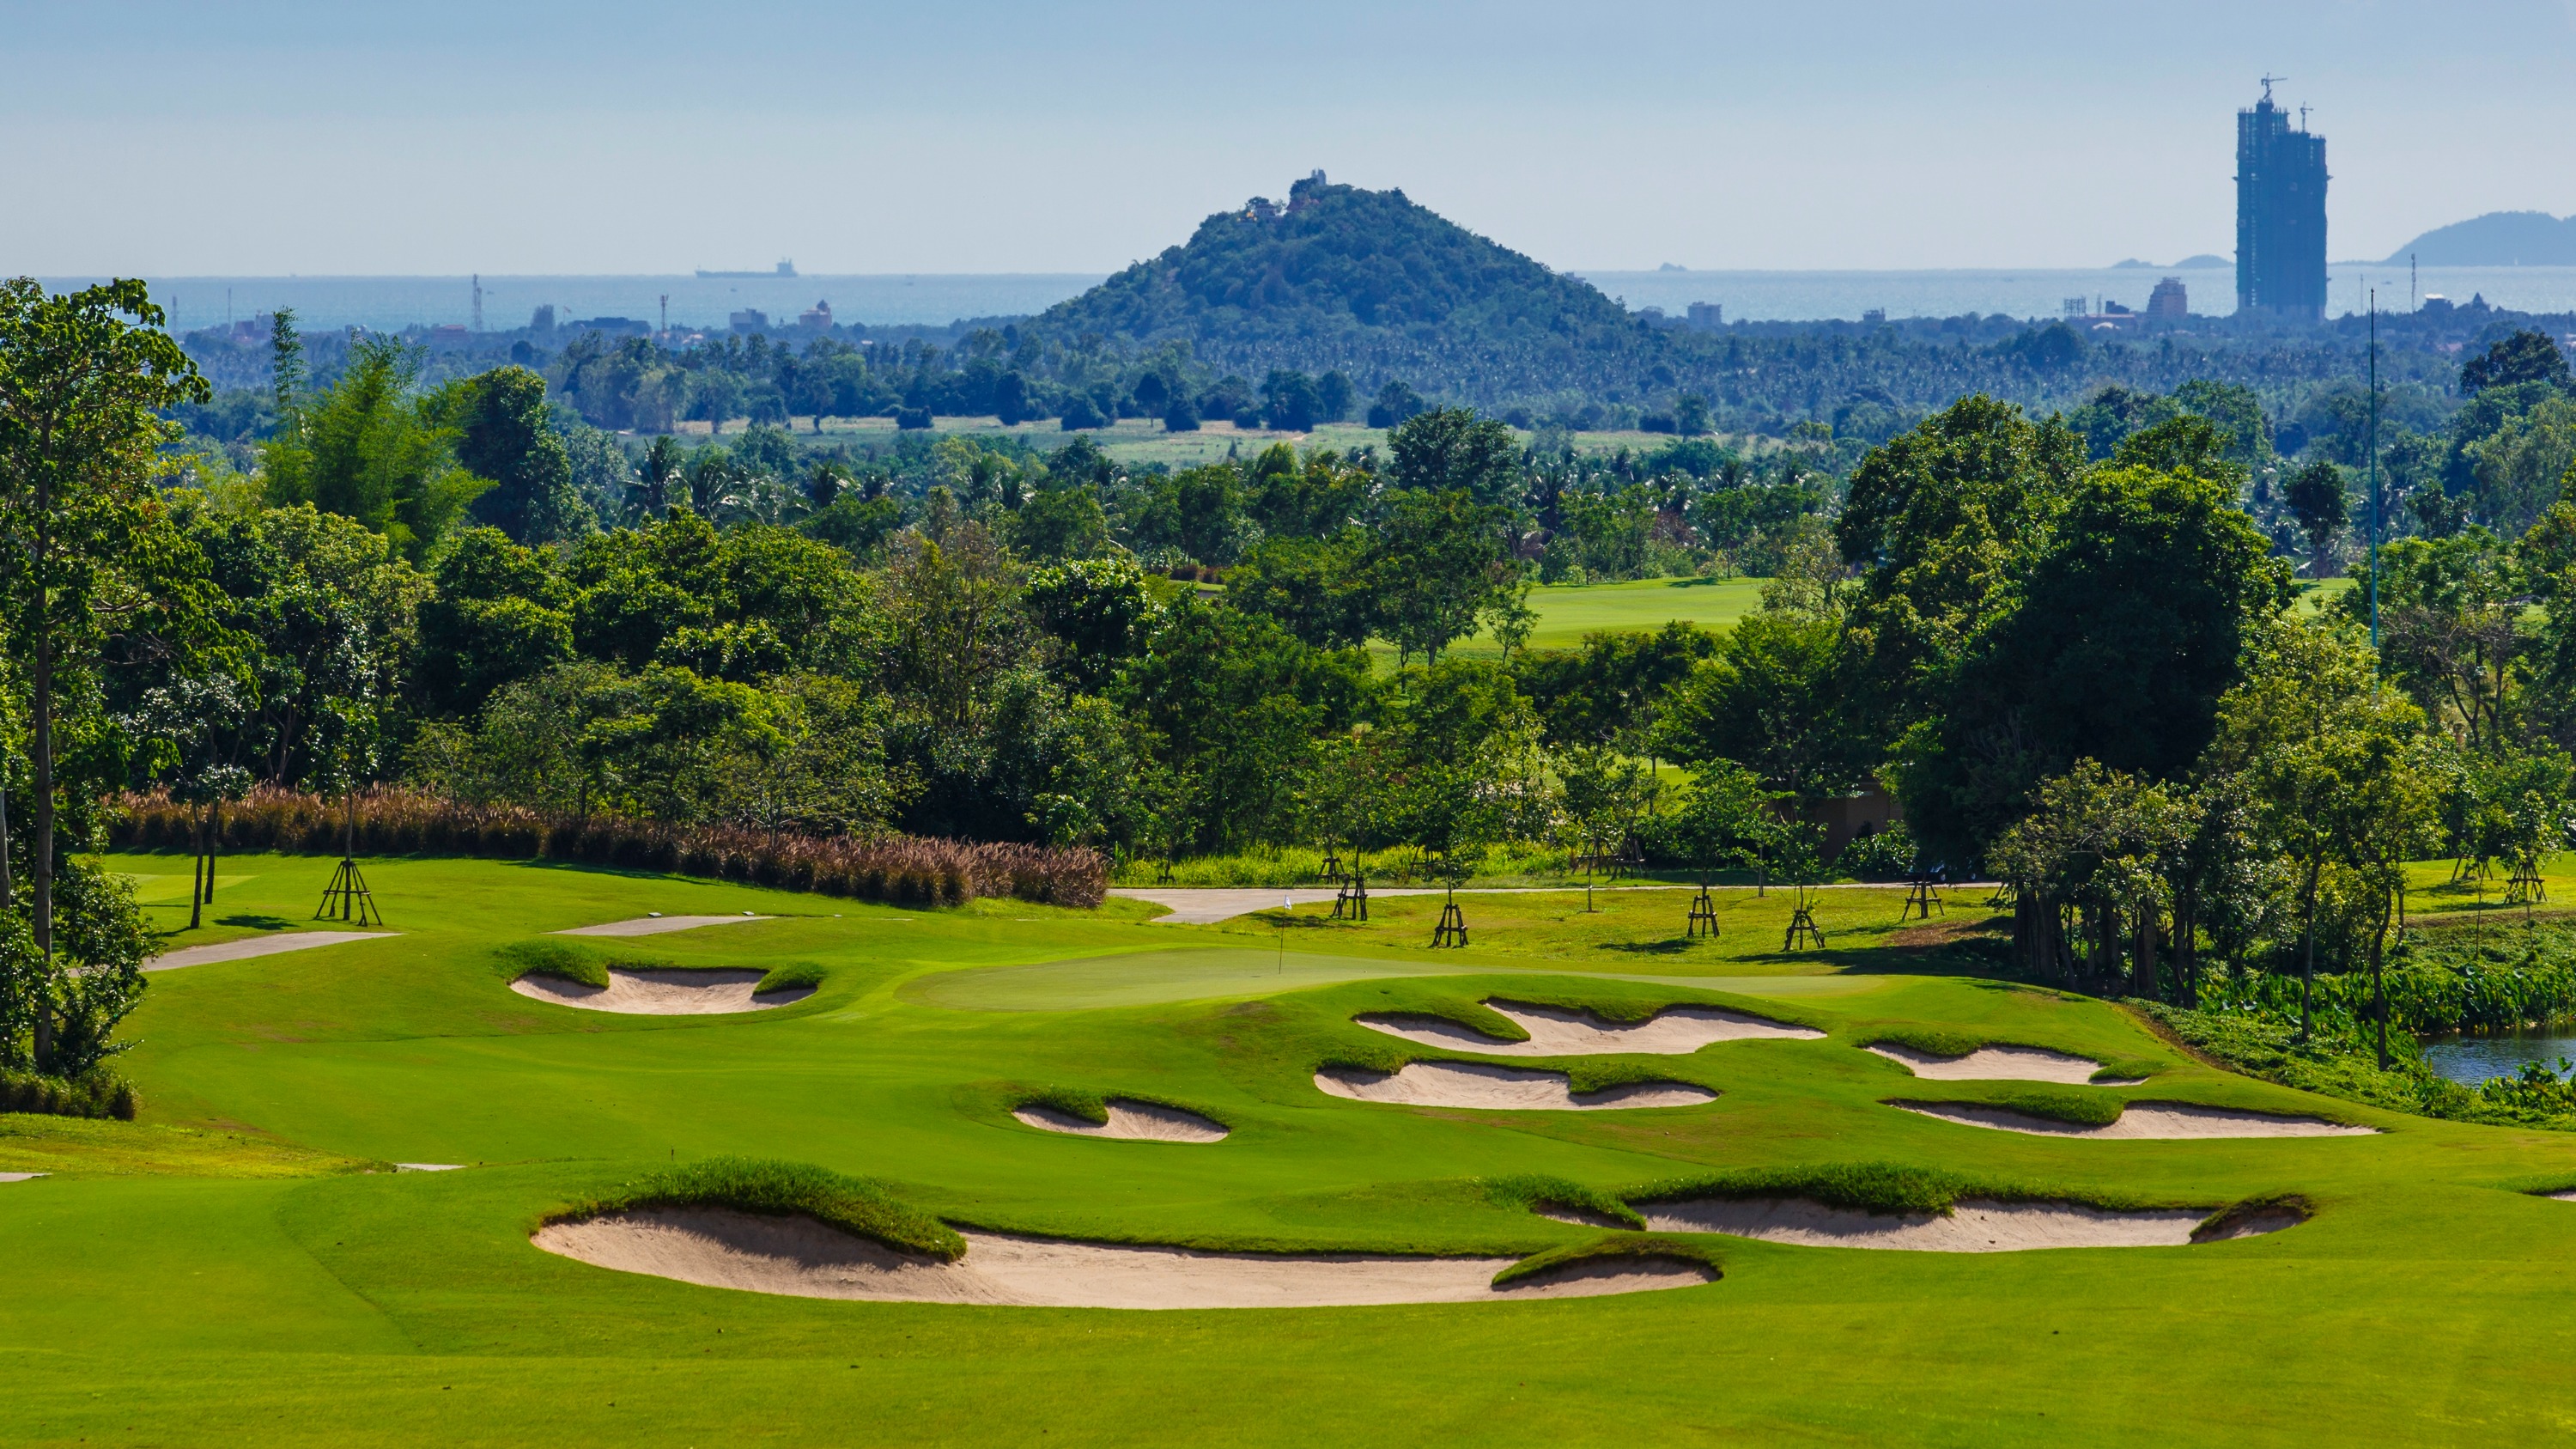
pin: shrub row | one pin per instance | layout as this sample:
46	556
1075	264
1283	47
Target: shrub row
896	869
97	1095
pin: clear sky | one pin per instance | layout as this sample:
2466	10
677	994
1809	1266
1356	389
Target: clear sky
334	136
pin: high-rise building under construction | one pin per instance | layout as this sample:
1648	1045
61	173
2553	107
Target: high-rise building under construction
2280	213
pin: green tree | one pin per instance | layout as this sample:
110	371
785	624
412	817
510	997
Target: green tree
499	615
1448	450
86	554
367	448
2334	766
2316	497
2525	356
1435	563
1772	699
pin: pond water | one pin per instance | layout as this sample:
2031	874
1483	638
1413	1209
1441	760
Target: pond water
2474	1057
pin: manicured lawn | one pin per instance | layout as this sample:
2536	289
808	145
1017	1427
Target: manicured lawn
229	1270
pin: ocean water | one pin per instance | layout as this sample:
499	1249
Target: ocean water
393	303
1808	296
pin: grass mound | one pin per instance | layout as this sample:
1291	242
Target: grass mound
2261	1205
1073	1102
560	959
1876	1187
781	1189
1531	1192
2072	1105
1666	1246
792	976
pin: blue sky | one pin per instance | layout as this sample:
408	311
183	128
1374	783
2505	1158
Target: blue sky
997	135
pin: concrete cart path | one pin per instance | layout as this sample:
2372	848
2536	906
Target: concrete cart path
259	946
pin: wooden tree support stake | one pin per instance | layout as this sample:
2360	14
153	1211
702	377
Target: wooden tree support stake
1802	925
1350	903
1703	914
347	898
1452	930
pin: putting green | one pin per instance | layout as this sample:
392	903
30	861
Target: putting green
242	1266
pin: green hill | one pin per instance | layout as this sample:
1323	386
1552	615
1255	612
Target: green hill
1367	281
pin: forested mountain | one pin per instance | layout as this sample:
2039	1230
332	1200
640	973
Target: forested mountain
1358	280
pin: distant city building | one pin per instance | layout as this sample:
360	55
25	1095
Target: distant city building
2169	302
2280	214
817	318
2076	308
750	320
1706	316
1874	316
615	326
448	334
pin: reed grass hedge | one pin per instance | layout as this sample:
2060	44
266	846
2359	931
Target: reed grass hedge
907	870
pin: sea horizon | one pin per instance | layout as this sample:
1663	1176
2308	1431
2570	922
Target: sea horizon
394	302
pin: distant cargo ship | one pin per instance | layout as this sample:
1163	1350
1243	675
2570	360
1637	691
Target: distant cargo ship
784	269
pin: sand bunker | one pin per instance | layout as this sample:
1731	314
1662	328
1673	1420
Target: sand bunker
1975	1225
259	946
722	1248
1128	1118
429	1167
662	993
1999	1064
658	925
22	1176
2566	1195
1557	1032
2159	1120
1516	1089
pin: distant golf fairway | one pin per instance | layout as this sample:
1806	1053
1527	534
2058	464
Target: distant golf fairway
226	1271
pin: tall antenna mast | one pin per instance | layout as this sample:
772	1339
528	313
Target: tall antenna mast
478	301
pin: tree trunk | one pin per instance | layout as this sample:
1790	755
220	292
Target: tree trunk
41	846
197	869
8	881
214	842
2037	939
2308	958
2143	984
2186	957
2379	989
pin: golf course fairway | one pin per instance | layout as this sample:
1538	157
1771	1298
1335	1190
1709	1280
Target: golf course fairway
246	1265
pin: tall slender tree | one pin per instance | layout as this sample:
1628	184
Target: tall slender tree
83	379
